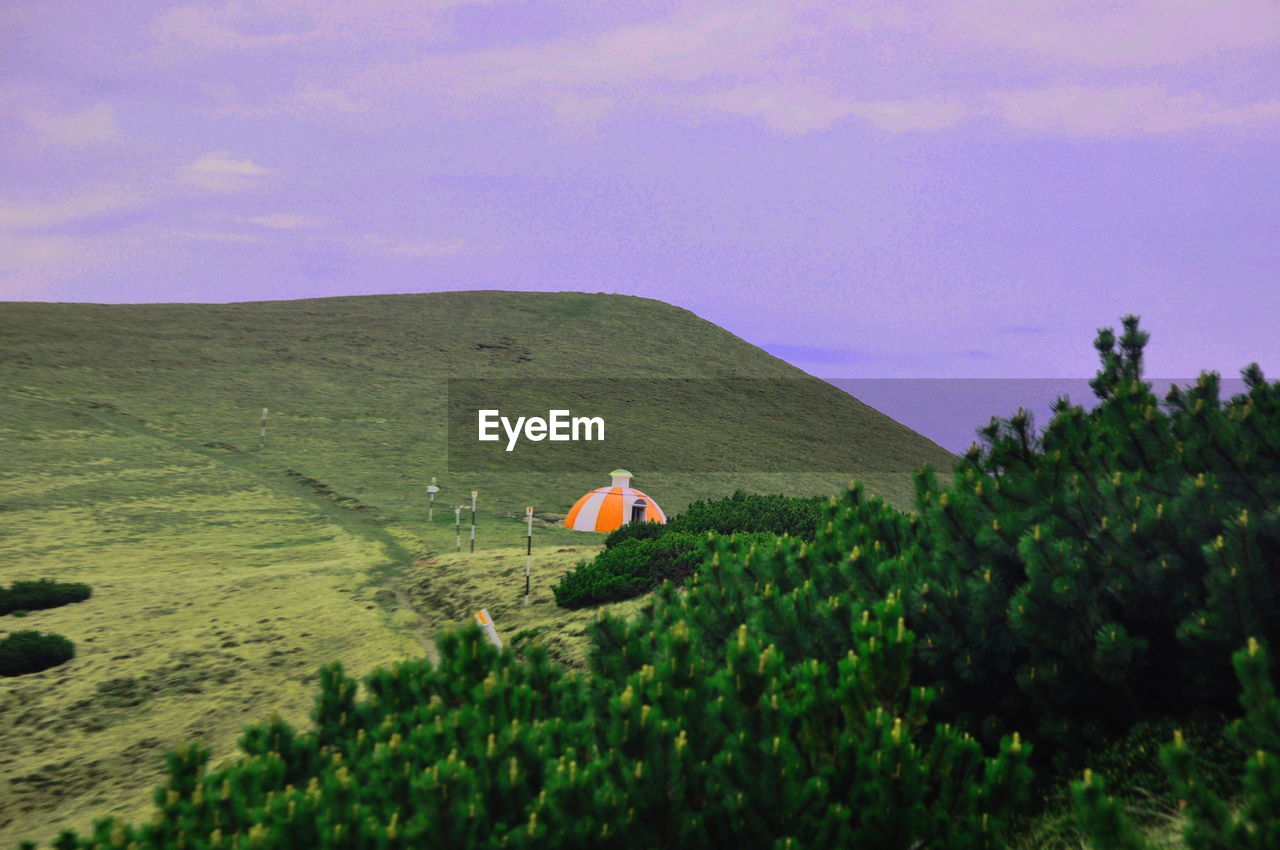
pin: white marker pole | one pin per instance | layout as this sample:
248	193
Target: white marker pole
432	489
457	526
486	623
473	520
262	430
528	552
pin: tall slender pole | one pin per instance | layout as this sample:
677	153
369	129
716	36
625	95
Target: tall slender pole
262	430
528	551
432	489
473	520
457	526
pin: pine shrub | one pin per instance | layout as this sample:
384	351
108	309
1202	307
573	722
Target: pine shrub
635	566
795	516
30	651
1074	583
630	568
1213	822
735	747
638	530
639	555
40	594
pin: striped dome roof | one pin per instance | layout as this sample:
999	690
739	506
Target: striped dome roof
606	508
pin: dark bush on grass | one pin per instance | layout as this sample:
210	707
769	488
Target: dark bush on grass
633	567
31	651
44	593
796	516
639	530
629	569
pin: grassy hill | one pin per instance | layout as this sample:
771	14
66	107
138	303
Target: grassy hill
225	573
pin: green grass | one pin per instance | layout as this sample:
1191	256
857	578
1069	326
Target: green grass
453	586
217	630
224	574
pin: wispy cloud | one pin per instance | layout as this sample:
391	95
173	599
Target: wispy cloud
1115	111
52	214
925	114
216	236
789	110
220	172
19	252
95	124
802	67
236	25
582	113
215	28
394	246
1122	34
285	221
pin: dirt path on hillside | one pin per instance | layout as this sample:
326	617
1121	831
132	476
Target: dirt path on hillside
352	515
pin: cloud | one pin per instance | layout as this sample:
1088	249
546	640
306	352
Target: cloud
22	251
796	66
218	172
788	110
326	99
628	62
582	113
312	99
214	28
416	248
1118	34
926	114
38	216
802	107
32	265
1118	111
217	236
95	124
284	221
244	26
1074	110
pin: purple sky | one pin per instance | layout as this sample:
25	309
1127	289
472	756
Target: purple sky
871	189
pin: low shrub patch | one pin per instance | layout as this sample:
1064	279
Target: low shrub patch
796	516
629	568
640	555
44	593
31	651
636	566
639	530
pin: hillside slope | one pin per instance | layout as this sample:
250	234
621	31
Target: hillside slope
224	574
355	385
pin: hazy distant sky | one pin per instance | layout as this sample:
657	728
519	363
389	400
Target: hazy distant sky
867	189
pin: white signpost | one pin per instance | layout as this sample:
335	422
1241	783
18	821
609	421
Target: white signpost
486	623
528	551
262	430
432	489
473	520
457	526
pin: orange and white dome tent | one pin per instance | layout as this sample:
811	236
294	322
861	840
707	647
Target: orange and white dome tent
606	508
